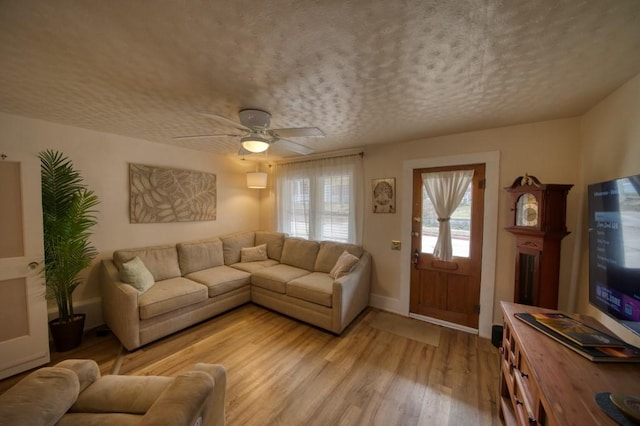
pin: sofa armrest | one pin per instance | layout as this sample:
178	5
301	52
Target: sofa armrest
119	306
187	400
87	370
41	398
214	413
351	293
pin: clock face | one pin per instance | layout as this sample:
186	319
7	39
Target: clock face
527	210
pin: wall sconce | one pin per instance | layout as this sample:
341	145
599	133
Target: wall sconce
257	180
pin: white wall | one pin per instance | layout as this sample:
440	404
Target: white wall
547	150
610	148
103	161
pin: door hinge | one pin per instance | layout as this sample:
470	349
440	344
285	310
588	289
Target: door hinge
482	184
476	309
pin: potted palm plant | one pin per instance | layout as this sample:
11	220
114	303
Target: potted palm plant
67	216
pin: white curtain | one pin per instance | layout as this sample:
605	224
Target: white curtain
445	190
321	199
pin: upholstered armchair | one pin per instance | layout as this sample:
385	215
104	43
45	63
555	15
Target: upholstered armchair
74	393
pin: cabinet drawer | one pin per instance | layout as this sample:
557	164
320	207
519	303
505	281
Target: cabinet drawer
528	381
507	375
525	407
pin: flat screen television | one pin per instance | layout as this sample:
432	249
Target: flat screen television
614	249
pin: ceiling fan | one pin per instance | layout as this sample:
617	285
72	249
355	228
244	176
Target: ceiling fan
256	136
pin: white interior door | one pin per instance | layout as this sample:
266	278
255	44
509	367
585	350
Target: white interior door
24	338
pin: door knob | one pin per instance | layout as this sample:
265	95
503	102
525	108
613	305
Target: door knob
33	265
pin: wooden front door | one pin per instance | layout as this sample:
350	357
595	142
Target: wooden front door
448	290
24	338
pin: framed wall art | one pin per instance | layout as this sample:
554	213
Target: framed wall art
163	194
384	195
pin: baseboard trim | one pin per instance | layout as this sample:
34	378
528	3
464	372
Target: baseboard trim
386	304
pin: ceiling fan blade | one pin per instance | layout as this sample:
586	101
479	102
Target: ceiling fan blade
226	120
294	147
299	132
224	135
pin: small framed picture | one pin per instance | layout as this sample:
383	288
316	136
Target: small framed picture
384	195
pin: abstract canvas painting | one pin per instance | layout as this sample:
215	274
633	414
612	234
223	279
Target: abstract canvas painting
163	194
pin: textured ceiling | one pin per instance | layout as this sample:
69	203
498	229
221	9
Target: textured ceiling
365	71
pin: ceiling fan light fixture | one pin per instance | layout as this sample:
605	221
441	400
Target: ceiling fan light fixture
254	144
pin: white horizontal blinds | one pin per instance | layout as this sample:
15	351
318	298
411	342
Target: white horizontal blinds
445	190
333	219
292	202
318	199
299	210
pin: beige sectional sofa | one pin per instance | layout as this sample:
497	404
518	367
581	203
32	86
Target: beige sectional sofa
74	393
200	279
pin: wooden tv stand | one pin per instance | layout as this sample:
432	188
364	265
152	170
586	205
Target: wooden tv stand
542	382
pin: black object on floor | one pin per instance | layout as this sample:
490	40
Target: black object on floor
496	335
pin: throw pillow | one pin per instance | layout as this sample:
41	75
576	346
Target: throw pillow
254	254
345	263
137	275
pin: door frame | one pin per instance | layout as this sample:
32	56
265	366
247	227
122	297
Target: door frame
491	160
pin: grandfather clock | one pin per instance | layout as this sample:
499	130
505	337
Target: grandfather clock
538	221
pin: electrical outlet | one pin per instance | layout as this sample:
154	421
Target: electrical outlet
395	245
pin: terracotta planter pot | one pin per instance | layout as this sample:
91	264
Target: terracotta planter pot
67	335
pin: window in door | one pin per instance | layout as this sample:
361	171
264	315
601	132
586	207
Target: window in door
460	223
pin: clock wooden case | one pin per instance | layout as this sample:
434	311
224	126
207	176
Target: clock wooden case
538	221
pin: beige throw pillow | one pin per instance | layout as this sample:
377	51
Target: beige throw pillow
254	254
345	263
137	275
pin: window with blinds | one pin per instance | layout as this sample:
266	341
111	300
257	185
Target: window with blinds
317	200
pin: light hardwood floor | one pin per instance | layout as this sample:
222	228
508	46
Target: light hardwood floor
281	371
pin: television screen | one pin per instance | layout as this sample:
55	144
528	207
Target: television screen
614	249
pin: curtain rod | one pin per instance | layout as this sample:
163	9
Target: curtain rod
319	157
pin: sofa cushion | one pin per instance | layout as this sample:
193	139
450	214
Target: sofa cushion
161	261
221	279
300	253
345	263
41	398
316	287
184	401
254	254
169	295
274	242
276	277
121	394
136	274
198	255
233	243
252	267
330	252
